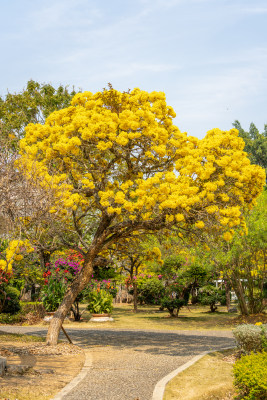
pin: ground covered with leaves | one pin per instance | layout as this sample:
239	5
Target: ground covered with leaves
36	371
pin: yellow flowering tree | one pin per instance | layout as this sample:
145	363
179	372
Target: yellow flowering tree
119	166
14	252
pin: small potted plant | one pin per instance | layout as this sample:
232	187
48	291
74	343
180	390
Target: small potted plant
100	303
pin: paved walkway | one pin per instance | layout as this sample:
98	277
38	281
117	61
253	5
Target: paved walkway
127	364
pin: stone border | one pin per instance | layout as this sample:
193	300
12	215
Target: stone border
75	381
160	387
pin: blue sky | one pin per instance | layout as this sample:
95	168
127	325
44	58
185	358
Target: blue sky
208	56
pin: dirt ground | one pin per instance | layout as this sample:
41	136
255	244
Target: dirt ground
36	371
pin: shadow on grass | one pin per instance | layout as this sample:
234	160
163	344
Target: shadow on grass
220	319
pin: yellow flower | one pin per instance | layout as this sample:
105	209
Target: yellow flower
227	236
179	217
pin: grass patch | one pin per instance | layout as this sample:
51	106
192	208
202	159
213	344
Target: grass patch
15	337
149	317
210	378
23	394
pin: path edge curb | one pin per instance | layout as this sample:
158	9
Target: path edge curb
75	381
160	387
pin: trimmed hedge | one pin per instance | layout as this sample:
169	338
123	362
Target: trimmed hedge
250	374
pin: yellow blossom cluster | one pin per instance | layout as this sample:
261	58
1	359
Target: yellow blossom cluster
14	252
121	154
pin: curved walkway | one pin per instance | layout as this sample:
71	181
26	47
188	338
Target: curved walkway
127	364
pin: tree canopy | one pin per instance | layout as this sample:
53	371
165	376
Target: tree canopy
255	143
118	165
32	104
120	156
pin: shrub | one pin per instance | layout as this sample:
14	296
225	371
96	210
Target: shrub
250	376
36	308
11	303
251	338
29	313
104	284
210	295
172	305
100	302
10	319
150	291
52	294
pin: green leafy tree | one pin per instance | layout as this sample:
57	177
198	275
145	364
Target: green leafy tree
243	260
255	143
211	296
31	105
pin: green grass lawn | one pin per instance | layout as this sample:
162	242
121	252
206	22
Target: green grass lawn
149	317
20	338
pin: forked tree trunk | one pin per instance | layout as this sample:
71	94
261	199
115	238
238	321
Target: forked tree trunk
79	283
239	291
76	287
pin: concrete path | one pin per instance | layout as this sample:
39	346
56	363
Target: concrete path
127	364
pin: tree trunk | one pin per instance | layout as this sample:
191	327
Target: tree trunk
135	295
44	258
76	311
75	288
239	291
213	307
227	294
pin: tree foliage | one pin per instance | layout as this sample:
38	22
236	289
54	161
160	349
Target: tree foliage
119	166
242	261
117	154
255	143
33	104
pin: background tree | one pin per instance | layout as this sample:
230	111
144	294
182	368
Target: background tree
20	197
211	295
33	104
120	167
244	260
24	206
255	143
133	256
241	261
